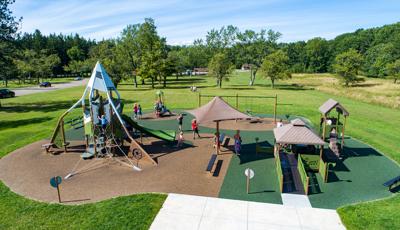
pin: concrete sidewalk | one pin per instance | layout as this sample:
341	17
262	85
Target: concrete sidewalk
295	200
196	212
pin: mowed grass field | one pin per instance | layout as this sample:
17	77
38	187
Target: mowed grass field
30	118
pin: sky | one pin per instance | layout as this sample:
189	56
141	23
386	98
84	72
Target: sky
181	22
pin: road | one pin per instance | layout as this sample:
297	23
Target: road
55	86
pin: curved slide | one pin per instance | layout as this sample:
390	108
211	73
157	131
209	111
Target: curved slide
167	135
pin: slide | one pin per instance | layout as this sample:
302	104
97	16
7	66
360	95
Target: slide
167	135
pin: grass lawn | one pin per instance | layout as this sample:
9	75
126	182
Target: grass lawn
30	118
129	212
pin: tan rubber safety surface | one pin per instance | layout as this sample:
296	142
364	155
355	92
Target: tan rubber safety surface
27	171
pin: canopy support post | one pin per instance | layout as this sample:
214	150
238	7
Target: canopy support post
217	136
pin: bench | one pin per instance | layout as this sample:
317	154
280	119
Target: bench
392	182
211	162
226	142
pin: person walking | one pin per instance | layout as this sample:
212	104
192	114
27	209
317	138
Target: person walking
195	129
180	121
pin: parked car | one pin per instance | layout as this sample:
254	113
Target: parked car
78	78
45	84
4	93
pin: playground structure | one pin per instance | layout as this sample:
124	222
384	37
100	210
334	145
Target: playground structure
296	139
217	110
101	101
331	127
248	108
190	162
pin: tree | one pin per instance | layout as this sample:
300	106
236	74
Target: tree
8	31
129	48
317	55
26	63
393	70
153	51
75	54
106	53
8	23
220	67
36	64
275	66
347	65
377	57
253	46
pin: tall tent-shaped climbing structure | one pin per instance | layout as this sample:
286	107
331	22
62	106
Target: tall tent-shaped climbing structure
100	101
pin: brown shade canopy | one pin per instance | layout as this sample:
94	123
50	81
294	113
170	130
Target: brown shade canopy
296	133
331	104
217	110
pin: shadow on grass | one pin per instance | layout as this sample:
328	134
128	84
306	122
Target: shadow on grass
365	85
22	122
238	88
32	107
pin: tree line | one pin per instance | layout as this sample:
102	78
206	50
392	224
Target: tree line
140	54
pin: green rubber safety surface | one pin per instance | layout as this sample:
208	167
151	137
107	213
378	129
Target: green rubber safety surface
264	186
359	178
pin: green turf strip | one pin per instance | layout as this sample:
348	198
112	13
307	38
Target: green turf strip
128	212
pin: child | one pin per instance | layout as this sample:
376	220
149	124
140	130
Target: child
135	111
180	140
238	142
139	112
195	129
180	121
103	122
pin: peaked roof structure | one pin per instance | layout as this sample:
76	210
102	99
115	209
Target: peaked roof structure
100	80
331	104
217	110
296	133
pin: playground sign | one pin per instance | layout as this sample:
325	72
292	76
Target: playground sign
55	183
249	175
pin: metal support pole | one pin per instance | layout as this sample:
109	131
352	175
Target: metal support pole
199	99
237	101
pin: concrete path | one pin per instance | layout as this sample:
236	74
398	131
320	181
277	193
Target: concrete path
295	200
55	86
197	212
